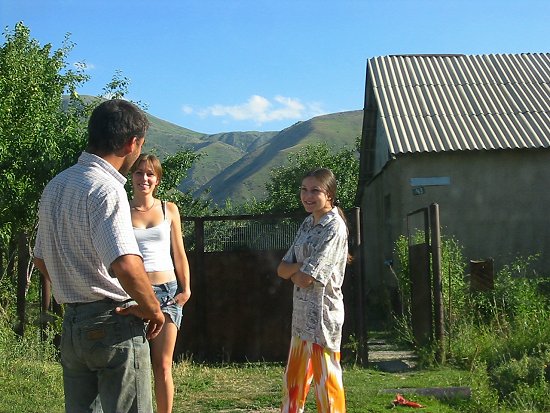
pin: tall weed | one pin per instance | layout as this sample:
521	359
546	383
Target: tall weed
484	396
453	284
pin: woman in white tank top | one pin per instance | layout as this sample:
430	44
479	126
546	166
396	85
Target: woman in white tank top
157	227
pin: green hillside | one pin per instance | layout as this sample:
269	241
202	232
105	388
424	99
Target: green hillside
247	141
246	178
165	138
216	157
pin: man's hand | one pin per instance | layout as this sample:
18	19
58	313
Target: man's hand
133	278
156	321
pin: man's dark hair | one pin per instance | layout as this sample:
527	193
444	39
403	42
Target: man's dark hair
112	123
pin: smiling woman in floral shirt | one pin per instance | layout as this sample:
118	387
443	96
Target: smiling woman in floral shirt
316	263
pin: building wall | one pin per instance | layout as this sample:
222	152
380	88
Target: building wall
497	205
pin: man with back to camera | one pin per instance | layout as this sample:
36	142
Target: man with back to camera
85	246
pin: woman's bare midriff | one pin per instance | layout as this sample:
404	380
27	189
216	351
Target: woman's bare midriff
161	277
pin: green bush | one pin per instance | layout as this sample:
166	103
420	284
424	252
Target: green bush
501	335
513	319
522	383
528	370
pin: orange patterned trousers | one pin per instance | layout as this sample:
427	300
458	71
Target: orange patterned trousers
306	362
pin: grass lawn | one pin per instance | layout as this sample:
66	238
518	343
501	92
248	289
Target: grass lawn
256	387
31	386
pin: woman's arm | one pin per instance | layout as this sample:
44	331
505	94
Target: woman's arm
181	264
291	271
286	269
302	279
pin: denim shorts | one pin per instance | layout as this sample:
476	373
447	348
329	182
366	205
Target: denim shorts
165	294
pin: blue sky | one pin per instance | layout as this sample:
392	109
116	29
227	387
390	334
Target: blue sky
236	65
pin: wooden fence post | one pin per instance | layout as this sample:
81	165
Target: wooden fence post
437	283
22	264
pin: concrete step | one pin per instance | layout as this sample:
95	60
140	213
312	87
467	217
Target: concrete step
388	357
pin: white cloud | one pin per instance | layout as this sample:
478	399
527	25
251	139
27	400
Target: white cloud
188	110
260	110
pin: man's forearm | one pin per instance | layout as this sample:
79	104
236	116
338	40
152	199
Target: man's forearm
41	265
132	276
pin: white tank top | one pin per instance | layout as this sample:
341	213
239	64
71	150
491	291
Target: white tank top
154	245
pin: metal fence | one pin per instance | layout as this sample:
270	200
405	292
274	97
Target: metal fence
240	232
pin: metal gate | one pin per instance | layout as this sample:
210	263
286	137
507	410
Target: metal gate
240	310
425	275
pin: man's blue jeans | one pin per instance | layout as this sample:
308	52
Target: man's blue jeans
107	355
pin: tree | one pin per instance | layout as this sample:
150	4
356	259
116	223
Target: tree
282	188
37	137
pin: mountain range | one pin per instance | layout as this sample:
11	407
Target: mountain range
237	165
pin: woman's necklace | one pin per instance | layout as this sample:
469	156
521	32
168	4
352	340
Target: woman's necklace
146	209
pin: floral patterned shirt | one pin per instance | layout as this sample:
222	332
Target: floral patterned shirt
318	310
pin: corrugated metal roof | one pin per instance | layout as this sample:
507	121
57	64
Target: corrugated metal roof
431	103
